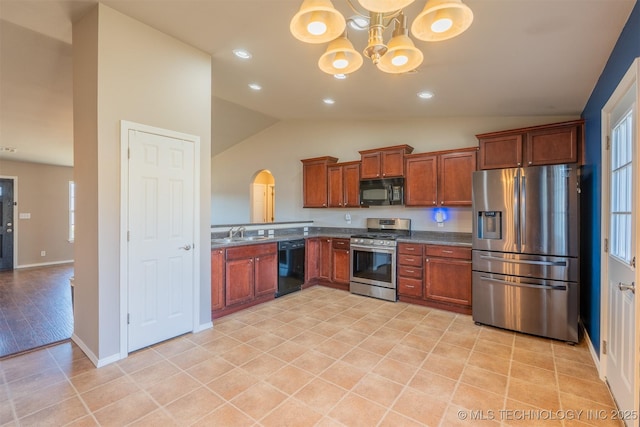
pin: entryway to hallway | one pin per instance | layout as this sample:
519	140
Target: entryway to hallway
36	308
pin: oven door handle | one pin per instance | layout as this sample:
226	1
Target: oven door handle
381	249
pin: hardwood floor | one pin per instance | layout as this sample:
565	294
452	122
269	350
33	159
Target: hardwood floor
35	307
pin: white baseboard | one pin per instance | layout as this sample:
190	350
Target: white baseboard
592	350
203	327
98	363
44	264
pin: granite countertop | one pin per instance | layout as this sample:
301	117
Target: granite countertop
424	237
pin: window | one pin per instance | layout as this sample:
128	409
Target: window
621	186
72	210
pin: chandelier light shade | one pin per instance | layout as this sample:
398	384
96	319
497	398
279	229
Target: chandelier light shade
340	57
442	20
402	55
384	6
317	21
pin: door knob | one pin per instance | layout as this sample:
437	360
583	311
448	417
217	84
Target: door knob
185	247
625	287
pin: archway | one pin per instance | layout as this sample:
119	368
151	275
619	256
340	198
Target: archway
262	197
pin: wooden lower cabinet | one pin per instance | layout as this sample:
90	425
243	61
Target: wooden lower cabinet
324	261
340	261
435	275
242	276
448	280
265	274
217	279
410	274
239	281
327	262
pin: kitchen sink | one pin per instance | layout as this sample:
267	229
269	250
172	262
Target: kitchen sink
239	239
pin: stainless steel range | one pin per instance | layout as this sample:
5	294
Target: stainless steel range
373	258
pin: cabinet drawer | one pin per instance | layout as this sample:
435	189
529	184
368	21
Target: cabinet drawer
410	248
250	251
415	260
449	252
340	243
408	271
410	287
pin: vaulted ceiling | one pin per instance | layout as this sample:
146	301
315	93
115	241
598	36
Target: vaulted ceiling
519	57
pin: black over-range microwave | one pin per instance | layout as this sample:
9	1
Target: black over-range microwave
382	192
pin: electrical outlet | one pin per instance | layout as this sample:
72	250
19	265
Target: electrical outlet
43	253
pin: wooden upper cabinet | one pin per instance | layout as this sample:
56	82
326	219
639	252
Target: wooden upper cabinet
499	152
351	182
420	185
315	182
344	185
455	171
387	162
552	144
441	178
336	185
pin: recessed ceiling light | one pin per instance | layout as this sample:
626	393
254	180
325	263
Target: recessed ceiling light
425	95
340	76
359	23
242	54
328	101
255	86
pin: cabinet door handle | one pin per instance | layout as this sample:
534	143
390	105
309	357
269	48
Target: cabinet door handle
410	259
446	252
410	249
410	286
257	259
411	271
426	260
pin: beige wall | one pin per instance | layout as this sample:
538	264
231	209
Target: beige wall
43	192
281	147
125	70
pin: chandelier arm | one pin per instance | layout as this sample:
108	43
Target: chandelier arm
356	11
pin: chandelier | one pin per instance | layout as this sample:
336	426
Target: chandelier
318	21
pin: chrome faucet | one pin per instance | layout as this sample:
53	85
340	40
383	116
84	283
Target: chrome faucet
233	232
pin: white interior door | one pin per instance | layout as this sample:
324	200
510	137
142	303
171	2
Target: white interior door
271	203
621	167
259	202
161	238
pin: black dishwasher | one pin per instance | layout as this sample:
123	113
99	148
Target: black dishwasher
290	266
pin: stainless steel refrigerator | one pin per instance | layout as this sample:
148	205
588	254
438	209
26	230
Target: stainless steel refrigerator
525	250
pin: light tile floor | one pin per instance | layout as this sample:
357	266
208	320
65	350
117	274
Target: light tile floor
320	357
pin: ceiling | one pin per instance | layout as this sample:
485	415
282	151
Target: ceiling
518	58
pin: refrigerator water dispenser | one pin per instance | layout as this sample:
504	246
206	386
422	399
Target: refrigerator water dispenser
490	225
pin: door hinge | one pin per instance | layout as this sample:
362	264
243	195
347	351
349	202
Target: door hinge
128	318
606	245
128	153
608	142
128	235
633	262
604	347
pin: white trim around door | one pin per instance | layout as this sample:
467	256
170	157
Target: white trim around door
629	86
125	128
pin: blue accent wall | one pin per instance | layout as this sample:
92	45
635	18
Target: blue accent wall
627	48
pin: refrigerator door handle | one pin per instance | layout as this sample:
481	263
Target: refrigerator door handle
516	208
526	285
524	261
523	210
